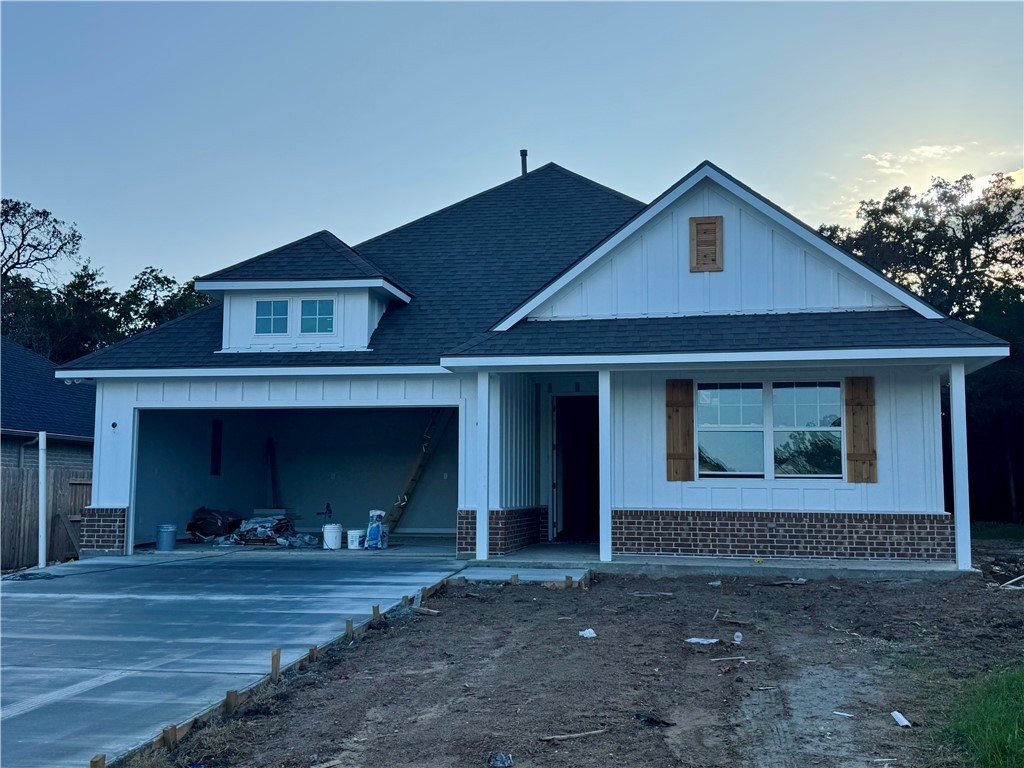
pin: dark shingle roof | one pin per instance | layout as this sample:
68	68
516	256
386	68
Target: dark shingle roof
727	333
467	265
320	256
32	400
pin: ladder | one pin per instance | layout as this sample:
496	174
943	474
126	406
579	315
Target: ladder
440	418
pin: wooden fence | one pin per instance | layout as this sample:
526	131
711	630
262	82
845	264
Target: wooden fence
68	491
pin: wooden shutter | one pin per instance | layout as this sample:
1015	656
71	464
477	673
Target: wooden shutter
861	456
706	244
679	429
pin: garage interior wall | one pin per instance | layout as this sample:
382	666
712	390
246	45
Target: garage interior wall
356	459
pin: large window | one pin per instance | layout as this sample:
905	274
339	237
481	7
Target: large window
807	426
272	316
730	430
317	316
801	428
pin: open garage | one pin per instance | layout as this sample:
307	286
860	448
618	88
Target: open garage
297	460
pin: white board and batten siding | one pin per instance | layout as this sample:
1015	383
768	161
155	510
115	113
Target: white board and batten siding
516	461
908	444
117	401
766	269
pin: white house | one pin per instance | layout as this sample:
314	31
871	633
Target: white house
702	375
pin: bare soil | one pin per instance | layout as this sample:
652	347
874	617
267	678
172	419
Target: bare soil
503	666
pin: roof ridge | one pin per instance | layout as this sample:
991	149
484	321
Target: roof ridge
521	177
595	184
74	364
9	340
237	264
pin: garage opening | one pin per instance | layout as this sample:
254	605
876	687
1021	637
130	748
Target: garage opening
400	460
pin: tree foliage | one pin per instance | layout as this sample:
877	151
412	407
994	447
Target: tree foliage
948	245
34	239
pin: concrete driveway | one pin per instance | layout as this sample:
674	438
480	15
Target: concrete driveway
102	657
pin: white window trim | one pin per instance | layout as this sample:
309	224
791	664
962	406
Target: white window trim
697	428
768	425
333	298
255	316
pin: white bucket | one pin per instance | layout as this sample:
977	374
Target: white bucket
332	536
356	539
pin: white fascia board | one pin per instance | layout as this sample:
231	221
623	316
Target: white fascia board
813	356
784	221
177	373
292	285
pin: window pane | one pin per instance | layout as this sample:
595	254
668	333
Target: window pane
737	452
806	393
753	415
309	307
731	414
263	309
262	325
784	414
325	325
729	395
308	325
752	395
326	307
808	453
707	415
828	393
280	324
280	309
807	415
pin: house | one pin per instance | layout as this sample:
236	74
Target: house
701	375
33	401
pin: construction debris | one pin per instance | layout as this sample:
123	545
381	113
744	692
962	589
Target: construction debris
568	736
588	633
703	640
500	760
649	718
901	721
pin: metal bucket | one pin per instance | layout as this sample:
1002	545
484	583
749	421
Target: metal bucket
166	536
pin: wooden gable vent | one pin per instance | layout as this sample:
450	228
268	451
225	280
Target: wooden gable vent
679	429
861	453
706	244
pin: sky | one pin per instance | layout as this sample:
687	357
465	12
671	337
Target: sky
190	136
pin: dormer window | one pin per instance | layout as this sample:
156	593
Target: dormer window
317	316
272	317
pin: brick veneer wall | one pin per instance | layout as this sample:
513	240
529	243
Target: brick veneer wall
783	534
103	529
508	530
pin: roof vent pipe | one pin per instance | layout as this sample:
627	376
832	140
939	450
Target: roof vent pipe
522	159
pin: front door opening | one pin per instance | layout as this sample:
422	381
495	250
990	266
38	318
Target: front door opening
577	486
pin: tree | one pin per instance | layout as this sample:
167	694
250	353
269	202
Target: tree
948	245
154	298
33	239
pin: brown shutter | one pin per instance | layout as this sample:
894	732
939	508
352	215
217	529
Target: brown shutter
706	244
679	429
861	456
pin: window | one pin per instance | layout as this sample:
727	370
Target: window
730	430
706	244
317	316
272	316
802	429
807	425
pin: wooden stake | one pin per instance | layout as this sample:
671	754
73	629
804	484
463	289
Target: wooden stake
350	631
514	579
275	665
405	599
100	761
376	613
313	653
170	737
568	582
425	611
231	702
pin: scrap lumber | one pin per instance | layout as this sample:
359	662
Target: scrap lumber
568	736
425	611
100	761
275	665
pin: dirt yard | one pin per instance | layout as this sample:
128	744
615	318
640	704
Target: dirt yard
503	666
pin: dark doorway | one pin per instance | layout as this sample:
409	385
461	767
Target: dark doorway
577	463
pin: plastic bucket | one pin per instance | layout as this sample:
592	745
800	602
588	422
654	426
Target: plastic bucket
356	539
166	535
332	536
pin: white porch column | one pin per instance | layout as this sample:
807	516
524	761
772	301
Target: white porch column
483	463
604	422
961	496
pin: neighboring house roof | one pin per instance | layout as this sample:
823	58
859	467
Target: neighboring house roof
466	264
320	256
728	333
32	400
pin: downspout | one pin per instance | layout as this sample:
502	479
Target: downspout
21	451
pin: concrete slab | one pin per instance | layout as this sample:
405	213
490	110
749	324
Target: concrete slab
103	656
525	574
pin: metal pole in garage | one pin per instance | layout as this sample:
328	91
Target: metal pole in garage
42	499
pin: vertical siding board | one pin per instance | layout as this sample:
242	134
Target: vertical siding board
679	429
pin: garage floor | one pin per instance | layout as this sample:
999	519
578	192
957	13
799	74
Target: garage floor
102	657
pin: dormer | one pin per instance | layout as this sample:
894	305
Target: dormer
316	294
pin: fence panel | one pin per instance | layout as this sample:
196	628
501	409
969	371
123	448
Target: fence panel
68	491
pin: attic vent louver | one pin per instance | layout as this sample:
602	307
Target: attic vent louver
706	244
